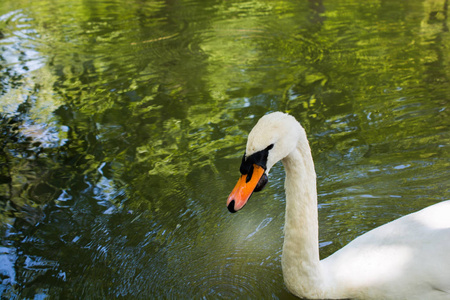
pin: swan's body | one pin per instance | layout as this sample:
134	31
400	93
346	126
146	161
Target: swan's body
408	258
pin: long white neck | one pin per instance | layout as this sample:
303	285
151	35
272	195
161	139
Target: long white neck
300	261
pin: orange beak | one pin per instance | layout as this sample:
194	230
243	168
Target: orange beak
243	189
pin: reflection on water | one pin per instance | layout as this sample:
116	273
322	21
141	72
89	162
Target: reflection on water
123	125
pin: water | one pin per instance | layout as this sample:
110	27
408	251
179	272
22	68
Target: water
123	126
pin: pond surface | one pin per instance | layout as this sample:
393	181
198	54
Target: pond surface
123	124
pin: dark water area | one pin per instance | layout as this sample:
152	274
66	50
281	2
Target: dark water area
123	123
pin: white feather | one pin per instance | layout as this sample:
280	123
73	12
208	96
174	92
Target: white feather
408	258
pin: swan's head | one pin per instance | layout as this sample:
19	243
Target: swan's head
272	139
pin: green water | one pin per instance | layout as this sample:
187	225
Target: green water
123	124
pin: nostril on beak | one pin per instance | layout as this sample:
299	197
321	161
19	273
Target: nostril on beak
231	207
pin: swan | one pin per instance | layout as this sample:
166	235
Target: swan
408	258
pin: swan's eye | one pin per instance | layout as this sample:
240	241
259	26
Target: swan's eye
258	158
261	183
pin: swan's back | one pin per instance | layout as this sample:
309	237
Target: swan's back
408	257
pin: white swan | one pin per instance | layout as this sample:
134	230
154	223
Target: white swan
408	258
